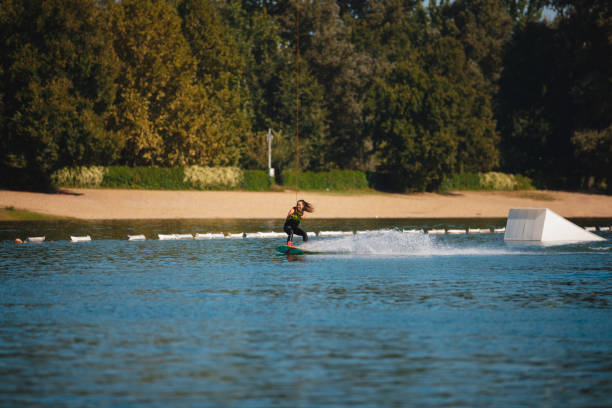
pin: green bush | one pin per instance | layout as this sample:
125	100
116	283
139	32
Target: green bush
463	181
256	180
334	180
523	183
150	178
79	176
492	181
213	178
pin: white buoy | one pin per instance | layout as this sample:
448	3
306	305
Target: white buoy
80	239
136	237
478	230
260	234
210	235
272	234
329	233
36	239
165	237
456	231
436	231
499	230
334	233
604	228
544	225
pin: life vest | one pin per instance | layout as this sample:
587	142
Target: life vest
296	217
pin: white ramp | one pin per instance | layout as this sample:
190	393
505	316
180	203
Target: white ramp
544	225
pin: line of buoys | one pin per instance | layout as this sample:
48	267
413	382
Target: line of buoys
273	234
435	231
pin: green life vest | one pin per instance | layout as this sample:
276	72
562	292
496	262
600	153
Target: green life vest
296	217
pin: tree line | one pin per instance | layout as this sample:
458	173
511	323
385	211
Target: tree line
412	92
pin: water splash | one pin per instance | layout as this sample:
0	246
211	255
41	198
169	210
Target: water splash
398	243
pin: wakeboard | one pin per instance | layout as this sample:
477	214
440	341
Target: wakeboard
291	250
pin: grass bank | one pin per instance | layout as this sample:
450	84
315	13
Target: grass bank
12	214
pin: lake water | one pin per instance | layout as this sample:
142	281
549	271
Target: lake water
386	319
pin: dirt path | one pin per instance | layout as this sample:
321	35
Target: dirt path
146	204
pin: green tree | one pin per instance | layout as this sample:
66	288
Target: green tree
471	121
483	27
221	65
555	85
528	90
593	150
264	62
162	115
523	12
344	74
416	146
57	76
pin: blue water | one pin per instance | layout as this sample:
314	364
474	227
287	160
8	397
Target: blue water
387	319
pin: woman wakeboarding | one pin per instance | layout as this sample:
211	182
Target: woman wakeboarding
292	222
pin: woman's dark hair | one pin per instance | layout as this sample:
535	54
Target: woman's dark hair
307	206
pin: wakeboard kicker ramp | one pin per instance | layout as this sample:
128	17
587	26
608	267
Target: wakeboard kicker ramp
544	225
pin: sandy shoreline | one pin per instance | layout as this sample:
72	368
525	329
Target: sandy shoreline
95	204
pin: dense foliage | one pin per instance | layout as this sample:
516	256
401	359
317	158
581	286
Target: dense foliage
162	178
410	92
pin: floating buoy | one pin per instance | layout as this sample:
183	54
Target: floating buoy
334	233
136	238
209	235
80	239
35	239
456	231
